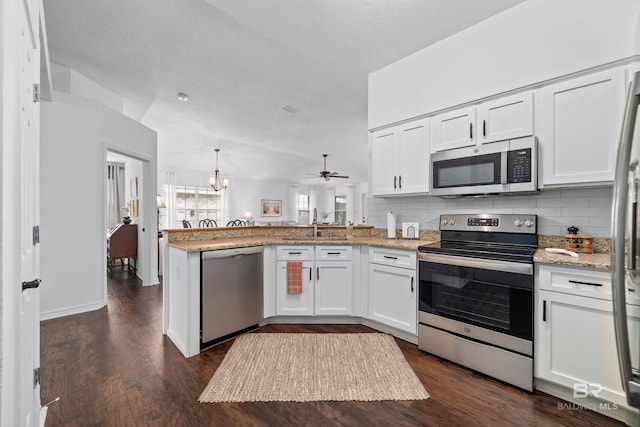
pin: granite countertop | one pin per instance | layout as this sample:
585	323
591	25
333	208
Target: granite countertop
242	242
598	260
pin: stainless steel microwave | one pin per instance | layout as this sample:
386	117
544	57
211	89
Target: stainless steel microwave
504	167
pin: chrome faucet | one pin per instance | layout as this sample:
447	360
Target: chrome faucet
315	223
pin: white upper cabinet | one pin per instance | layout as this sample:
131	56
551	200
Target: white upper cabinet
580	129
400	159
384	161
454	129
505	118
497	120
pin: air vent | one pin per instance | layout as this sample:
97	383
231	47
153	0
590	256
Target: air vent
289	109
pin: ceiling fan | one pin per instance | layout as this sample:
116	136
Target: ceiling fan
325	173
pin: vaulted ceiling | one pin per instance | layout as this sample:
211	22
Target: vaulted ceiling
240	61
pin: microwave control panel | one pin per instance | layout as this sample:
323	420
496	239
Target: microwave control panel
519	166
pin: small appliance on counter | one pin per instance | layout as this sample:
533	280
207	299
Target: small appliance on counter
410	230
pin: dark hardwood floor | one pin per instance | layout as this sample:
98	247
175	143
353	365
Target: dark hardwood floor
113	367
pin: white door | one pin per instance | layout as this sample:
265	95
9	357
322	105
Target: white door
28	217
454	129
413	157
392	296
294	304
581	121
576	343
384	162
334	287
506	118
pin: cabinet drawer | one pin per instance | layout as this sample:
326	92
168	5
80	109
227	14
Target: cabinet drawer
284	253
333	253
393	257
575	281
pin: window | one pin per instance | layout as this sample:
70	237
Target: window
340	210
303	209
197	203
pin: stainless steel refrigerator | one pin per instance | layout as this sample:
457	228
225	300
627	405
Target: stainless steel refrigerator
626	247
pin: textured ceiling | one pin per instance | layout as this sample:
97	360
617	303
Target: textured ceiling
240	61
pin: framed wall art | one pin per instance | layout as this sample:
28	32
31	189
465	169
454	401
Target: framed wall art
270	207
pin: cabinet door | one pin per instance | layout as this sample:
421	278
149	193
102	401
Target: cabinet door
581	121
334	287
505	118
576	343
454	129
294	304
384	162
392	296
413	157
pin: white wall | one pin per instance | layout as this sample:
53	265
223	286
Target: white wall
68	80
589	209
76	134
527	44
245	195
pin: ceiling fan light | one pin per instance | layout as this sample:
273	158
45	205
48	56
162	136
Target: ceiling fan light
183	97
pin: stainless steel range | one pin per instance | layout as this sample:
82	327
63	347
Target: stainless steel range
476	294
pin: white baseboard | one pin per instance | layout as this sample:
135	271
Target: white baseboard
68	311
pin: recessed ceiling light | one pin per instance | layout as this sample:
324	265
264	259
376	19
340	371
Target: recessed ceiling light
183	96
289	109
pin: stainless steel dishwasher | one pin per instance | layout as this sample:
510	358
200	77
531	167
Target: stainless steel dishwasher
230	293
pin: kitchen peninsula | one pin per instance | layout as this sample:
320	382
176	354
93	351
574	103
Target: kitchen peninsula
371	269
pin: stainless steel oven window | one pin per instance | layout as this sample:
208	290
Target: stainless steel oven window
497	300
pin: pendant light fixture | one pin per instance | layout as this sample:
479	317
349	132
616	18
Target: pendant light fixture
214	181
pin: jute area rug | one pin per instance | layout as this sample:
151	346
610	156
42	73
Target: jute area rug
270	367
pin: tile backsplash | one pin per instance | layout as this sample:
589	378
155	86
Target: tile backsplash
589	209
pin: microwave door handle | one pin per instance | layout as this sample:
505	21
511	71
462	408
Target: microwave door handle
503	168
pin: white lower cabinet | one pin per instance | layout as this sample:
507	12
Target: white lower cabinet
327	281
575	340
294	304
393	290
333	293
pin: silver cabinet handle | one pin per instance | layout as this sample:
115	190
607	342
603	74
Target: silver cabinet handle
412	284
577	282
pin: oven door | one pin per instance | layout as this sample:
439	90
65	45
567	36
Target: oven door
491	299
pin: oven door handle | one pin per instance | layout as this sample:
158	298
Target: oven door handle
485	264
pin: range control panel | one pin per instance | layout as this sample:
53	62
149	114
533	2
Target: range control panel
505	223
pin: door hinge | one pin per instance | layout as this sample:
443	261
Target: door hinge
36	92
36	234
36	377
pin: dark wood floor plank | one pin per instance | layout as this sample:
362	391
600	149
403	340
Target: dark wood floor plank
114	367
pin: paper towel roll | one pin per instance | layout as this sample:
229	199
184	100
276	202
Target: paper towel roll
391	225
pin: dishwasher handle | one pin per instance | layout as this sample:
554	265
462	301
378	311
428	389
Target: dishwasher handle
227	253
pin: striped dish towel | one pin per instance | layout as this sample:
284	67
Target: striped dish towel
294	277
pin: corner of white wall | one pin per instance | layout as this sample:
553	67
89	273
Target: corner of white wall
68	80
